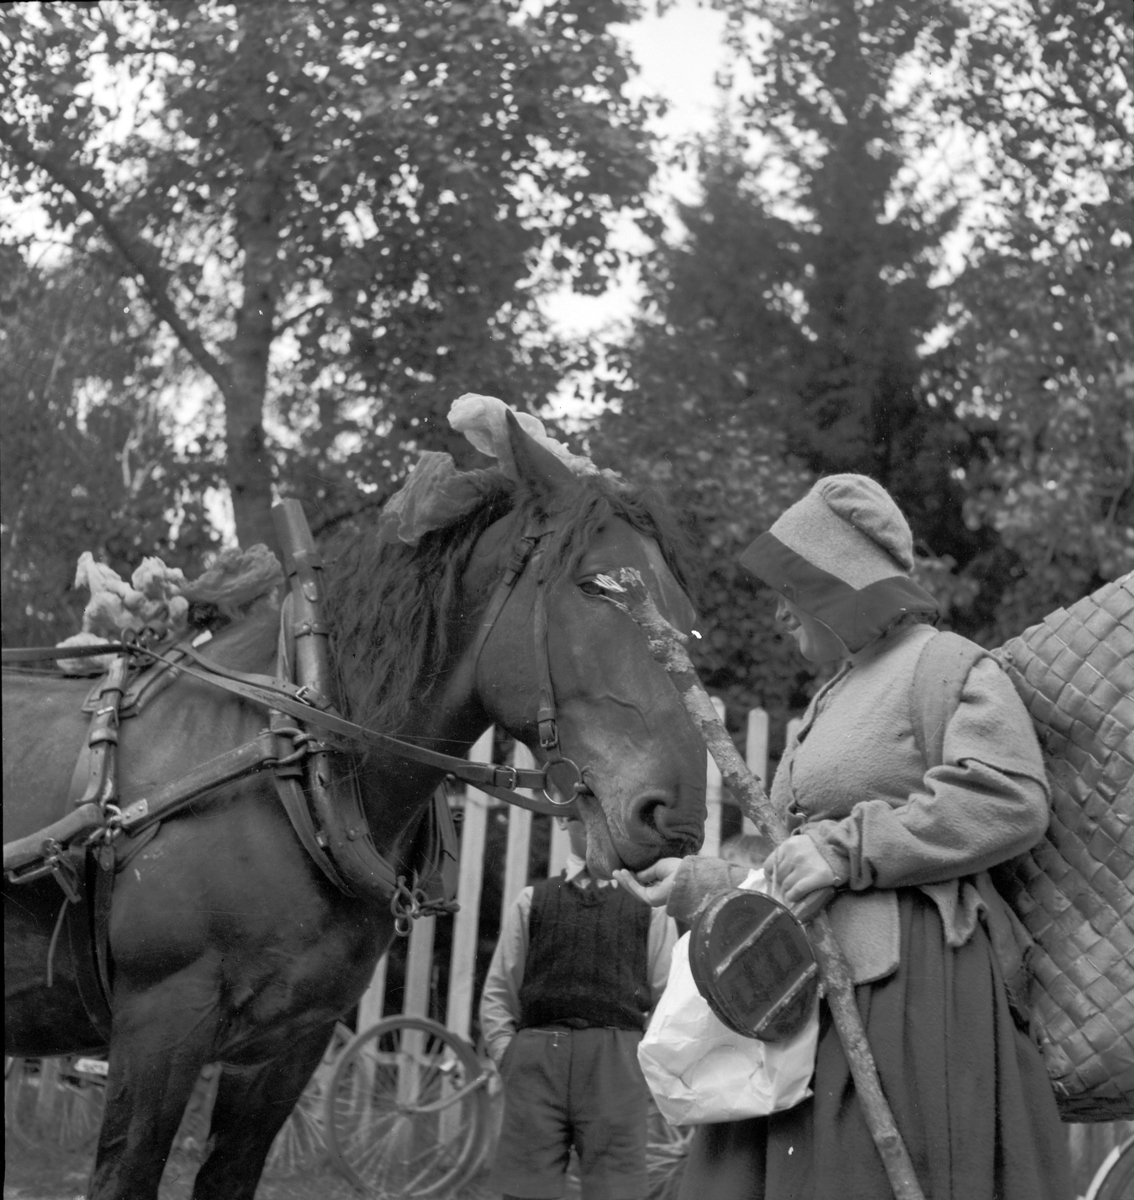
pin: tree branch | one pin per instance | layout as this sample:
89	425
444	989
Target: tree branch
322	528
666	645
295	318
135	255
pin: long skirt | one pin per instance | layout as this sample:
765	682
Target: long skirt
967	1087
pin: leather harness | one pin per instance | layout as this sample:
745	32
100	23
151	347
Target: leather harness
84	848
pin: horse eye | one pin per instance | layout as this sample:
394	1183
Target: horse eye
589	588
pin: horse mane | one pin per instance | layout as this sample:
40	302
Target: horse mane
390	606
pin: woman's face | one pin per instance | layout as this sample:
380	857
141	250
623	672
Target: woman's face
816	641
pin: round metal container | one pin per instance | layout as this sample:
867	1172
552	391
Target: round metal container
753	964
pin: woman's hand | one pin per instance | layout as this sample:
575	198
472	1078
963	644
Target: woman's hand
653	884
804	876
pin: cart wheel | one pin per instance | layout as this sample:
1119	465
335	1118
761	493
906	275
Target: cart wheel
301	1145
667	1148
1114	1179
50	1103
406	1110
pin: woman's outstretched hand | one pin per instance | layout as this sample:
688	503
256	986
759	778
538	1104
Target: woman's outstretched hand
652	884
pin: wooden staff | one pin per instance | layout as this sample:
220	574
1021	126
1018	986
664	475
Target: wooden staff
668	647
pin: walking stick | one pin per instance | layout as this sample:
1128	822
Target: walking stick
667	647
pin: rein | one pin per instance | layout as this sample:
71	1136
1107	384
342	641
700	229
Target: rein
295	700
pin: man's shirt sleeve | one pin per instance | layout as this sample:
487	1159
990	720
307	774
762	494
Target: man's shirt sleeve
500	999
663	935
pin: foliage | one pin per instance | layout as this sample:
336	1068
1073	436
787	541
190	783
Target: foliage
782	332
86	461
344	211
811	317
1041	359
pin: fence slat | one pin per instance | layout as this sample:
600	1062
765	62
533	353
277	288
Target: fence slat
792	726
373	1002
519	836
466	923
559	849
419	968
756	755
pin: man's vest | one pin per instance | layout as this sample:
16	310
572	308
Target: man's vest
587	962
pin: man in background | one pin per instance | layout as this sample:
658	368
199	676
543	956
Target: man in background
578	968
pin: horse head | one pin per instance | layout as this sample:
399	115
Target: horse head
632	756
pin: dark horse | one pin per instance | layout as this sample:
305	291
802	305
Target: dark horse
227	944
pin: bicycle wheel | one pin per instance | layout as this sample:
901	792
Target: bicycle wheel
301	1145
667	1148
1114	1179
405	1110
49	1103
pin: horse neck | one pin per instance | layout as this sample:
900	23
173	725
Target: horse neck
445	712
446	715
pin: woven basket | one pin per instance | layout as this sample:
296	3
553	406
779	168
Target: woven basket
1075	890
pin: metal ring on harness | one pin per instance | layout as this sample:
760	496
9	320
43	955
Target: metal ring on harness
406	905
568	795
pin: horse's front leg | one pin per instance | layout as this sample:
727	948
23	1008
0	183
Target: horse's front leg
251	1107
160	1040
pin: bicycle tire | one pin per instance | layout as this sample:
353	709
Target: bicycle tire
405	1110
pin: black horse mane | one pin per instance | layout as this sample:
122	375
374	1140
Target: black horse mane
390	605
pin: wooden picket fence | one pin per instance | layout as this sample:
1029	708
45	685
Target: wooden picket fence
475	806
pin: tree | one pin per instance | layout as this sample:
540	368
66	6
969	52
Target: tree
1041	361
342	211
87	460
783	332
1044	358
809	320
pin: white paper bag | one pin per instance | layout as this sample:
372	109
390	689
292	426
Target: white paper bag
700	1071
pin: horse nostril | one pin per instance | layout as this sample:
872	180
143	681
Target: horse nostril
650	812
657	816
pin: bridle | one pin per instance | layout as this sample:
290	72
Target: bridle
528	551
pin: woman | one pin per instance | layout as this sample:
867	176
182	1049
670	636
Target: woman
904	845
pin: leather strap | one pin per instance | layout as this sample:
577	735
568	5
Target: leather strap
291	796
88	921
495	780
44	653
545	714
166	799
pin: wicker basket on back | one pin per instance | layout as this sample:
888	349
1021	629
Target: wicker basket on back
1075	891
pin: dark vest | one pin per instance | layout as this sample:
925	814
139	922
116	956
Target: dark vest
587	962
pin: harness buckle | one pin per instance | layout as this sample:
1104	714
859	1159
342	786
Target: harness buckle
505	777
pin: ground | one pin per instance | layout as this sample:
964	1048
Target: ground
60	1176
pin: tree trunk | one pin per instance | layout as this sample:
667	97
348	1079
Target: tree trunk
258	205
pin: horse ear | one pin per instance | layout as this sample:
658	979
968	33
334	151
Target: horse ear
540	471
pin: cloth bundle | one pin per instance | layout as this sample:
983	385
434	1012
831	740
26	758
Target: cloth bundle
156	601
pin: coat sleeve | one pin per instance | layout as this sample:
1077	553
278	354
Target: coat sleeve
500	999
986	802
697	881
